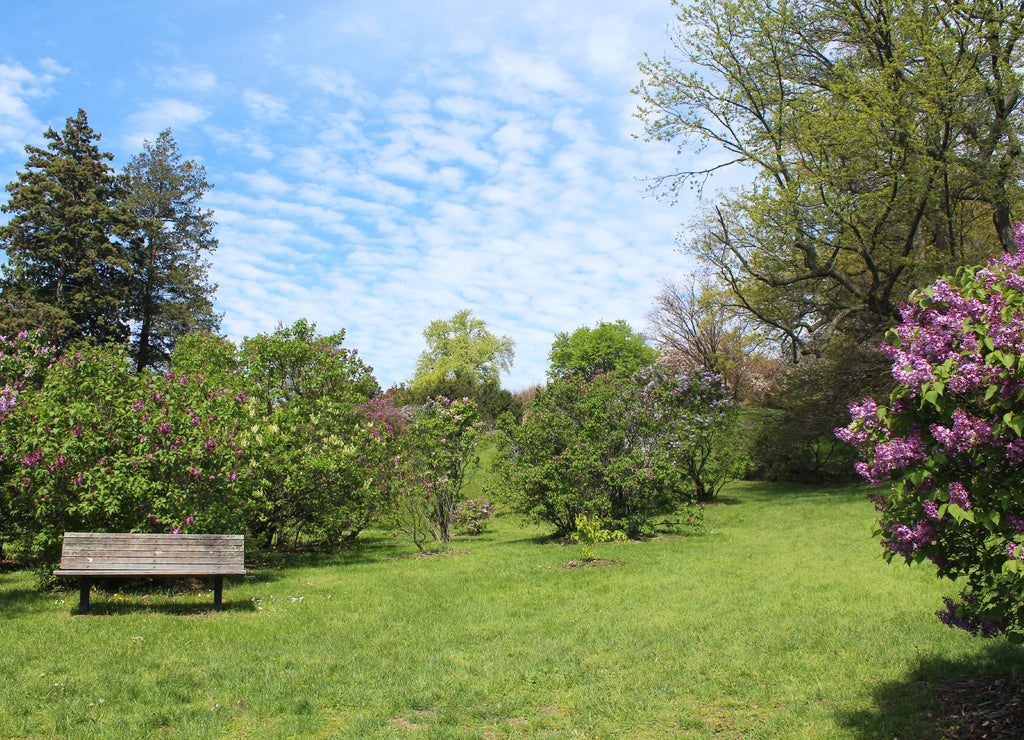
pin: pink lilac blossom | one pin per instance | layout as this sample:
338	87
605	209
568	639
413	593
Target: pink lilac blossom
906	540
967	432
894	455
958	495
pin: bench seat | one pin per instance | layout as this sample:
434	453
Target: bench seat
88	555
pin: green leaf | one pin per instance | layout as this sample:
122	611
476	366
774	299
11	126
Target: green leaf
961	515
1015	422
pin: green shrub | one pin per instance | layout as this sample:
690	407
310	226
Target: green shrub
624	449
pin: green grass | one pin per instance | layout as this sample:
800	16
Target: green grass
783	621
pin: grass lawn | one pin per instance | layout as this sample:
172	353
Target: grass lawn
783	621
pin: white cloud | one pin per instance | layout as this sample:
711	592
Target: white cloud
196	78
52	66
158	115
263	106
248	140
18	85
516	69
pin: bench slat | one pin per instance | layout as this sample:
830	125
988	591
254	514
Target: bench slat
100	553
157	552
144	573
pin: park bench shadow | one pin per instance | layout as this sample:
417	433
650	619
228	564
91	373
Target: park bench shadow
100	607
159	594
908	708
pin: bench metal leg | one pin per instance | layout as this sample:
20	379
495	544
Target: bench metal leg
84	585
218	590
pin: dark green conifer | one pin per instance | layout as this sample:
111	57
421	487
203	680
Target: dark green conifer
68	267
171	293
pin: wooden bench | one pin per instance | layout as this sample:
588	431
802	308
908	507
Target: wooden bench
87	555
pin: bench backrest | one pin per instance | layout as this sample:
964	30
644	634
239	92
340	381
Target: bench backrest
101	553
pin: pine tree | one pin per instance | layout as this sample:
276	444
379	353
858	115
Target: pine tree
67	259
171	293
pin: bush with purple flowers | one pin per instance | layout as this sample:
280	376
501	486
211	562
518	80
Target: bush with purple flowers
417	460
472	514
950	442
96	447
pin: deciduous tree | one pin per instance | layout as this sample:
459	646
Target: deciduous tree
608	347
694	326
881	136
463	347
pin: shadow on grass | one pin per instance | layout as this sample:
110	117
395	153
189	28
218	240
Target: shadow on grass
787	492
17	601
367	548
99	606
922	706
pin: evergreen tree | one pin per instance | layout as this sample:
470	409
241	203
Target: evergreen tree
171	293
67	259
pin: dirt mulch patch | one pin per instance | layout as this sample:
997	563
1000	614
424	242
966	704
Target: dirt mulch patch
593	564
434	554
984	708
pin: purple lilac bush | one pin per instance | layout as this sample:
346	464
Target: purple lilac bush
472	514
418	460
93	446
950	442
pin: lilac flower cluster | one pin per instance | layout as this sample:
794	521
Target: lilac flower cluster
951	617
907	541
951	442
472	514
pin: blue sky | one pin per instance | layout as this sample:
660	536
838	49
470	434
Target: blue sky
379	165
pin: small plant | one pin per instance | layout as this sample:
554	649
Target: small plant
589	532
692	518
472	514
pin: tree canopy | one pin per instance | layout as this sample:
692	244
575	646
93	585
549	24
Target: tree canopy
608	347
463	347
883	137
68	266
692	327
170	290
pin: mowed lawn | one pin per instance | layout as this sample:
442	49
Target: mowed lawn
782	621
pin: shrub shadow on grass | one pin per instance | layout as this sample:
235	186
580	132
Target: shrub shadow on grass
18	601
787	492
958	700
272	565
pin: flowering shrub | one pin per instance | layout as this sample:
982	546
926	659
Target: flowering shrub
304	391
445	435
472	514
24	361
419	460
950	442
99	448
258	440
623	449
